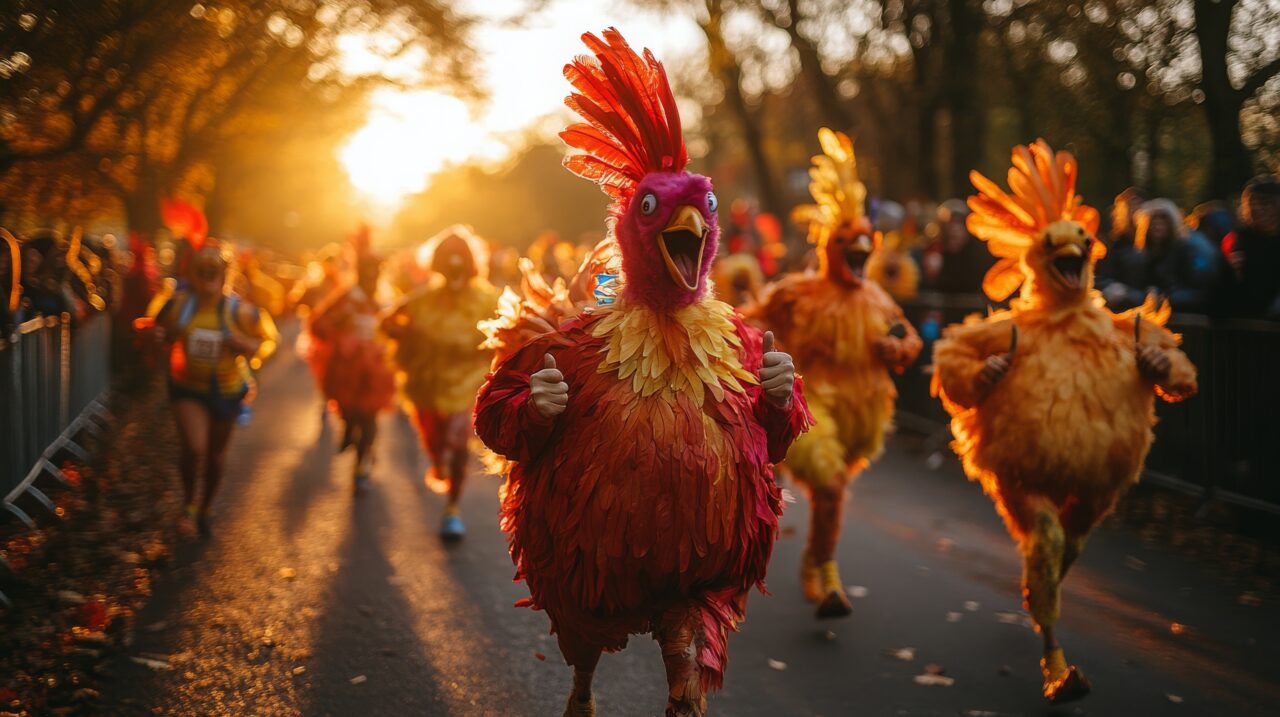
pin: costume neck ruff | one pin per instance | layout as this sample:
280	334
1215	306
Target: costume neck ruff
694	349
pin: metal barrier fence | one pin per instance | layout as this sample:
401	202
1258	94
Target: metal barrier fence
1223	443
54	378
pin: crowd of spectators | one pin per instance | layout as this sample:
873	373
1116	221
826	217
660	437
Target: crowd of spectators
47	274
1212	261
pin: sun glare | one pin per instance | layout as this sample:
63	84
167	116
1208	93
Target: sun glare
408	137
411	135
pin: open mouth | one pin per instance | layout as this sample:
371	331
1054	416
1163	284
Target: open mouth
1069	270
856	261
682	250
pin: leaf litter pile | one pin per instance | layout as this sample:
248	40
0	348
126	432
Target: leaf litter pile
76	582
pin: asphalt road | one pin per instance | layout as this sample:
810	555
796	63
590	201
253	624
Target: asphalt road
309	601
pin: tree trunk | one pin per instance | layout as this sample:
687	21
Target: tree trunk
836	114
964	95
142	204
1230	166
725	66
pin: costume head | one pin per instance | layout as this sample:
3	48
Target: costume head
457	254
664	217
204	265
1042	233
838	224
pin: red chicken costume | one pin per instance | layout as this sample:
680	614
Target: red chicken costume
850	336
1052	401
642	432
357	376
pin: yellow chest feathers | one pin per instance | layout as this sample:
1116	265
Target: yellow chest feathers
694	349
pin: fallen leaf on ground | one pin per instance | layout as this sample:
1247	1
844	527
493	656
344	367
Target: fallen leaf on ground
1012	618
1174	699
934	680
906	654
954	616
358	680
972	605
299	670
152	663
777	664
288	573
541	657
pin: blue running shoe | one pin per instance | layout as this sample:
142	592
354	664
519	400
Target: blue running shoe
451	528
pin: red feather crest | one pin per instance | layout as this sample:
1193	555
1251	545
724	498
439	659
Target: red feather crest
632	124
184	221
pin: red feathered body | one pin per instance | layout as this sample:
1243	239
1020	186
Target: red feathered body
630	504
356	374
648	504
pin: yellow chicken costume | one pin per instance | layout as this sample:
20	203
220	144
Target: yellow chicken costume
1052	401
439	356
848	334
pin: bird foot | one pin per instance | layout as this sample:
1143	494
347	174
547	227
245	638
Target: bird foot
685	708
1062	682
580	708
834	603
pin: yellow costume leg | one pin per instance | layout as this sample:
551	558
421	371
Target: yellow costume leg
817	459
1044	548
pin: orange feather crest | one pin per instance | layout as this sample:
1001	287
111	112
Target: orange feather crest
632	123
1044	191
184	221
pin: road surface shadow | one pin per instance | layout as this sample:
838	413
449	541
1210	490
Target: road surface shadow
366	643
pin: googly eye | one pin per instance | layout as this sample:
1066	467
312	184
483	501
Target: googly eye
712	202
649	204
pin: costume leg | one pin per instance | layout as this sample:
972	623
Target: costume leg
583	658
456	439
1044	549
827	512
679	633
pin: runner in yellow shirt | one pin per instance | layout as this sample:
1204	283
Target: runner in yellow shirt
213	338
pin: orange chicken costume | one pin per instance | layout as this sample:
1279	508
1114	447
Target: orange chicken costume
849	335
1052	401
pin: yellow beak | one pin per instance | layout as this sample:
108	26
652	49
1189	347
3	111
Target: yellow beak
685	230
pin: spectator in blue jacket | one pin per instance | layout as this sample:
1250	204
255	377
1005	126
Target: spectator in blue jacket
1169	259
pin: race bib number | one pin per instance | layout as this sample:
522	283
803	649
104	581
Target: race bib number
204	345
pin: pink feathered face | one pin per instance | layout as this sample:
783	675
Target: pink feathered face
669	234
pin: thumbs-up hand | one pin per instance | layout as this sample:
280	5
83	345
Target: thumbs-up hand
777	374
547	389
